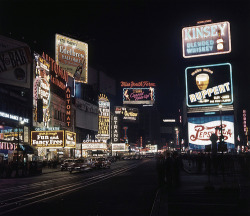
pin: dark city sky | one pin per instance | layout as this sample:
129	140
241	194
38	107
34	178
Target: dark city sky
134	40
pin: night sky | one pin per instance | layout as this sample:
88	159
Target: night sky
135	40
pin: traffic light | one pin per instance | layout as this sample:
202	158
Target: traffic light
39	110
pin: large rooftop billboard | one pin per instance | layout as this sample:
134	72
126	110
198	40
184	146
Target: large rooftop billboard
72	56
138	92
204	40
209	85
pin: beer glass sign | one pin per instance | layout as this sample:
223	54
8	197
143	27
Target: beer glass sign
209	85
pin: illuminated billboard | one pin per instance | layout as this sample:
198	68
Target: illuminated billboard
209	85
41	88
72	56
200	130
118	147
15	62
104	118
70	139
139	95
204	40
52	139
127	113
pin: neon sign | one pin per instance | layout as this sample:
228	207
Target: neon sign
41	87
58	72
68	106
104	118
204	40
138	95
209	85
200	130
116	132
245	121
141	84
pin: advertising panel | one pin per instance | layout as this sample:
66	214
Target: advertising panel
204	40
70	139
15	62
118	147
72	56
128	113
139	95
94	146
41	88
52	139
104	118
200	130
209	85
58	77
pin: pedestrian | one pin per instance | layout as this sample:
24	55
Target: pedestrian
177	166
160	169
169	170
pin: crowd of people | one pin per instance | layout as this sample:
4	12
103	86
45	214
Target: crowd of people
168	168
170	164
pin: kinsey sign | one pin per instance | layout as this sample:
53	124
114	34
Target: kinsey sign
72	56
209	85
138	95
200	130
209	39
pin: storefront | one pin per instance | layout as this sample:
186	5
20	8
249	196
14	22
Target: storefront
54	145
13	131
91	148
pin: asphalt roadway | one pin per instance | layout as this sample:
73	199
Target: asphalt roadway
129	188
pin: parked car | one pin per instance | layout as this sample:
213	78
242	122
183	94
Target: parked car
102	163
65	163
81	164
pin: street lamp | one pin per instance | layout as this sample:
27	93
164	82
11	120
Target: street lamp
178	143
221	131
21	122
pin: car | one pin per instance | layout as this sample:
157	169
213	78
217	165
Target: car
64	165
102	163
80	164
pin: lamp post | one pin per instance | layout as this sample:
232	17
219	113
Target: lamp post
221	131
21	122
177	135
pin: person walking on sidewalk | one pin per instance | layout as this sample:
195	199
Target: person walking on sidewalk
169	170
160	169
177	166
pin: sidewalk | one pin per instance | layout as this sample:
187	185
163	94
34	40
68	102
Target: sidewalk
200	195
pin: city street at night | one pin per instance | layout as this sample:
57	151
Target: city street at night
124	108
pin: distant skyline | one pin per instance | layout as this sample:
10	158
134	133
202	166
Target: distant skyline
134	40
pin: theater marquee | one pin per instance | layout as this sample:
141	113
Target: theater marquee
204	40
209	85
